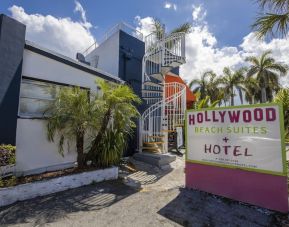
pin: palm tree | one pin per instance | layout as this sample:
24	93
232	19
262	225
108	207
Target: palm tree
251	89
106	120
213	90
70	117
118	112
226	98
232	81
267	72
202	84
160	30
275	21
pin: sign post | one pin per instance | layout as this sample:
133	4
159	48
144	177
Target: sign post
238	152
180	140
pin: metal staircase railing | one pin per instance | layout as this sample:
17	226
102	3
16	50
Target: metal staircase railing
163	117
167	101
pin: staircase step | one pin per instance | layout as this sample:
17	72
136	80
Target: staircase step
151	83
157	97
157	137
152	91
150	148
153	143
168	130
155	159
157	76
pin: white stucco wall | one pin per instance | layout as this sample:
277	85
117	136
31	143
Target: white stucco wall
34	153
40	67
108	53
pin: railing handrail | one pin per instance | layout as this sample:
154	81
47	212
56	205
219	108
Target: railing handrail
148	40
158	104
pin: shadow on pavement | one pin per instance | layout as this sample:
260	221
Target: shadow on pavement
145	174
49	208
196	208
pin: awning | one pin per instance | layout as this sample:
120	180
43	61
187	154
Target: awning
190	96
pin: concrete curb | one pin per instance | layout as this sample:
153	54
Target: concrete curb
31	190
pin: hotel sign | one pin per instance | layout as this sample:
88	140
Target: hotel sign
243	137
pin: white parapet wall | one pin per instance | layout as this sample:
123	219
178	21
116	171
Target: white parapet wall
40	188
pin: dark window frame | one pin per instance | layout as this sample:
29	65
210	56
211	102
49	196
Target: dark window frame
23	116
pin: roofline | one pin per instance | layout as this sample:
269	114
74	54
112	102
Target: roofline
71	62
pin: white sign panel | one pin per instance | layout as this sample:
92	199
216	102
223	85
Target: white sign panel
242	137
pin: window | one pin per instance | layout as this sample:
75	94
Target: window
35	96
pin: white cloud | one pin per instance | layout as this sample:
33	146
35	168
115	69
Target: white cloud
144	25
279	48
59	34
169	5
203	53
79	8
198	13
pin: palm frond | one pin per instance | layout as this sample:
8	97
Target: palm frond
281	68
264	56
185	28
194	82
227	71
197	89
271	25
253	60
159	28
276	5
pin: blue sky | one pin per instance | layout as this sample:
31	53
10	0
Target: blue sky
229	20
220	36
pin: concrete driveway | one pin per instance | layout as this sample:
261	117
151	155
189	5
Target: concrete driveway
148	197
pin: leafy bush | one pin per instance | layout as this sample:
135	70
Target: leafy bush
7	155
71	116
117	115
111	148
202	103
8	181
12	181
106	120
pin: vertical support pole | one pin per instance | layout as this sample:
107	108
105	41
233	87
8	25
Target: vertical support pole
164	119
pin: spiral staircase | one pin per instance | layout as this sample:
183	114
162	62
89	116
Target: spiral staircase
166	102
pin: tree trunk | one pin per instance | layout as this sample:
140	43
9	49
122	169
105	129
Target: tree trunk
232	99
79	148
263	95
103	127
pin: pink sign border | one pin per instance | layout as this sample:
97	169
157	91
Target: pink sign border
265	190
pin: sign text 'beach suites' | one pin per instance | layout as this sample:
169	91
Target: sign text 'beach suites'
242	137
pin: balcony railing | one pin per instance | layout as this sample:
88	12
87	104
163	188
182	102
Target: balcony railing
121	26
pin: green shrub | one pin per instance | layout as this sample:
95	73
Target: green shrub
7	155
117	115
11	181
106	119
111	148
